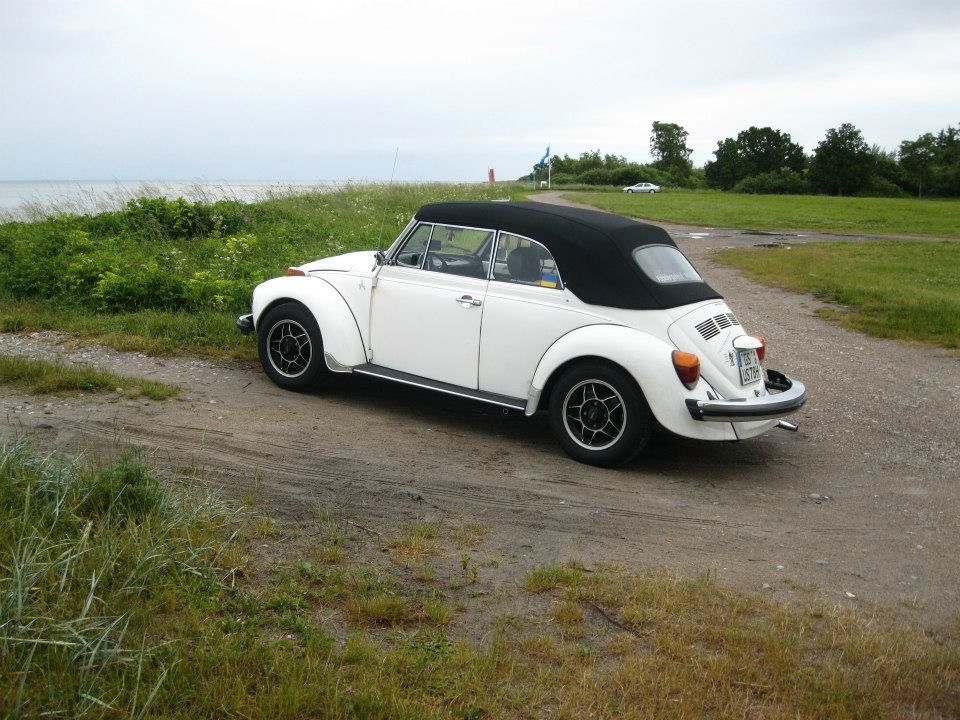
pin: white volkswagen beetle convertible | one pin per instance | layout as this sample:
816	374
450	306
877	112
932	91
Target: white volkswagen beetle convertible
597	319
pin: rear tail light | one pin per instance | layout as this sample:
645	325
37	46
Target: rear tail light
762	350
295	271
687	366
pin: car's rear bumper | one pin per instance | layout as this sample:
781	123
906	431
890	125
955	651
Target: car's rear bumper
791	398
245	324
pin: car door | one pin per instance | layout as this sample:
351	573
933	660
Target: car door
527	310
427	306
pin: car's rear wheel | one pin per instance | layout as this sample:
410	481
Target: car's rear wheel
291	349
599	415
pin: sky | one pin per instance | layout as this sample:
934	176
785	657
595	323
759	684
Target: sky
317	90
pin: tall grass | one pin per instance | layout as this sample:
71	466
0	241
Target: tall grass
89	555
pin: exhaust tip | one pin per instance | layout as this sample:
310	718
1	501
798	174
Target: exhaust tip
784	425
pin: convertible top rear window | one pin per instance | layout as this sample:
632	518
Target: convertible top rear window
665	265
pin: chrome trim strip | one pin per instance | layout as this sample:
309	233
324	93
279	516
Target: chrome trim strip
427	384
769	407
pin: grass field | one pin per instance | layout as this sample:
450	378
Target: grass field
878	216
120	597
896	289
44	377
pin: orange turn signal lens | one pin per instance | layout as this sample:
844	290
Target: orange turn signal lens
687	366
762	350
295	271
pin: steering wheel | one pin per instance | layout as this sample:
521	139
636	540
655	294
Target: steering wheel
440	260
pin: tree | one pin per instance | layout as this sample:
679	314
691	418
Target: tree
766	150
726	170
945	180
917	158
756	151
842	163
668	145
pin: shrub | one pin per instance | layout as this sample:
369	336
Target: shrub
148	286
882	187
152	219
784	182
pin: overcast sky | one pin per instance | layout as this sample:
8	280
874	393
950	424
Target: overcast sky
315	90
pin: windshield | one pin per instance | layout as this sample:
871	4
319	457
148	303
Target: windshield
665	265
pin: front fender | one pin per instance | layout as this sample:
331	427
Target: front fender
648	359
342	341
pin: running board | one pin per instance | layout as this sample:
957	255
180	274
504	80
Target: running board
422	382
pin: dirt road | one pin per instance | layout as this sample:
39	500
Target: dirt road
862	501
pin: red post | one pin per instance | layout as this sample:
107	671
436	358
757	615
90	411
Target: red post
493	179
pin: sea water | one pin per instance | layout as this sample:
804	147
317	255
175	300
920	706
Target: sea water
32	200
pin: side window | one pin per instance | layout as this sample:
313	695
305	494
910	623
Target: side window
525	261
460	251
411	254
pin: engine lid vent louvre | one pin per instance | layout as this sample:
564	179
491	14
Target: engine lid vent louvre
708	329
711	327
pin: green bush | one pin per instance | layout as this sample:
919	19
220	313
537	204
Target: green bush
784	182
159	218
881	187
147	286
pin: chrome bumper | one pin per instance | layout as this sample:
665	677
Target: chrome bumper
791	397
245	324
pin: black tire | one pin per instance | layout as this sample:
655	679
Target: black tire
629	192
291	349
624	419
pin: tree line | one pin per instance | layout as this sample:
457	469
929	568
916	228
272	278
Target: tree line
766	160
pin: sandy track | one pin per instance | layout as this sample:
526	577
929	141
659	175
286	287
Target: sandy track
879	439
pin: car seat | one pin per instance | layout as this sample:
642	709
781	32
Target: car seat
523	263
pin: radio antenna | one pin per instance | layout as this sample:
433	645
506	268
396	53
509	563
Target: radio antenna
386	199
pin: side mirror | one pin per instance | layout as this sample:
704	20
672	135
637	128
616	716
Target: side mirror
380	258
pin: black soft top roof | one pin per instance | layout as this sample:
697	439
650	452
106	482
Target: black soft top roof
592	249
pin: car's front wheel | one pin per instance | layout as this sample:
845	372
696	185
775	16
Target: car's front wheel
599	415
290	347
630	191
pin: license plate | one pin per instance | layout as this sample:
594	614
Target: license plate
749	366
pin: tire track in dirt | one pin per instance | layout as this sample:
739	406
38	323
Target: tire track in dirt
299	474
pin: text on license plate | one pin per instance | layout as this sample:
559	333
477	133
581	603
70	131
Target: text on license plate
749	366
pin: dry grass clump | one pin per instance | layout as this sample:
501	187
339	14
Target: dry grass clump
420	540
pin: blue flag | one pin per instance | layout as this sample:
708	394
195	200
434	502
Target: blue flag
545	156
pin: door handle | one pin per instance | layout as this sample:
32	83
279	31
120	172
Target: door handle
467	301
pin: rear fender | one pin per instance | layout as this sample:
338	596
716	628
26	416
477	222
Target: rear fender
648	360
342	342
